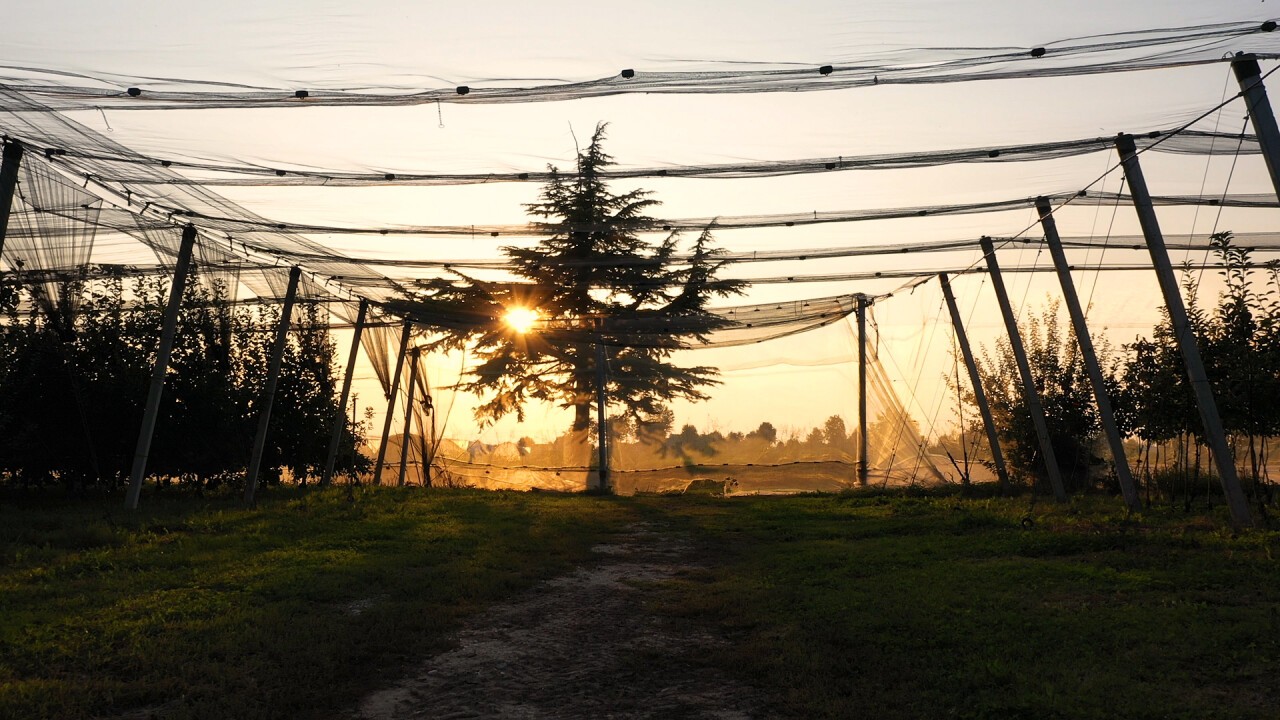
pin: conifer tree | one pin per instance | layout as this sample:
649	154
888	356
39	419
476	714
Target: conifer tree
595	282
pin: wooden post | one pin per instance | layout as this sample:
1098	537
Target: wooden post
340	413
1214	433
391	402
861	308
408	415
1034	405
1249	75
979	396
269	390
9	163
160	368
1127	486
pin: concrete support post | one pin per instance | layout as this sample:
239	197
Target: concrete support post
1214	434
863	460
1249	75
408	415
340	413
269	391
168	329
391	403
9	163
1127	486
979	396
434	446
1034	406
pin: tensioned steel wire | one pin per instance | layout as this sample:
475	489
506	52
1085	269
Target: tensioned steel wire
264	236
246	225
1085	191
125	168
62	90
242	227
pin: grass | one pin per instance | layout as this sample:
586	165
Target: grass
936	607
858	605
195	609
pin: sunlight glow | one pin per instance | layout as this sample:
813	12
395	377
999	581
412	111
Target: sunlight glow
521	319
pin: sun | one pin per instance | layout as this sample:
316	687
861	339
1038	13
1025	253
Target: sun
521	319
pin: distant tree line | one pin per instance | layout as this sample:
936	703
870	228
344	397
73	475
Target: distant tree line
1239	339
75	369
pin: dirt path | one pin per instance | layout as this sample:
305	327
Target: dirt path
580	646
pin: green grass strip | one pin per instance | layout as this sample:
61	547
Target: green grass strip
201	609
937	607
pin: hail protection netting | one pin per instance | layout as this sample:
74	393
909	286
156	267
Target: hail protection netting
783	418
829	154
1123	51
55	225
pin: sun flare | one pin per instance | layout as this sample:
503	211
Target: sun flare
521	319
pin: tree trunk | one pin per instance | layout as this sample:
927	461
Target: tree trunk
1253	463
1195	481
1208	496
1264	459
583	389
1147	471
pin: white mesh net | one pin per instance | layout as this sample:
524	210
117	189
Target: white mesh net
858	167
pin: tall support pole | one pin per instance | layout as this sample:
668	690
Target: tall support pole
269	390
160	368
979	395
9	163
434	447
1105	414
340	413
602	429
408	415
1213	430
425	440
861	308
1034	406
391	403
1249	75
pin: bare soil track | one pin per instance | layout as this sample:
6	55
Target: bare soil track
584	645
